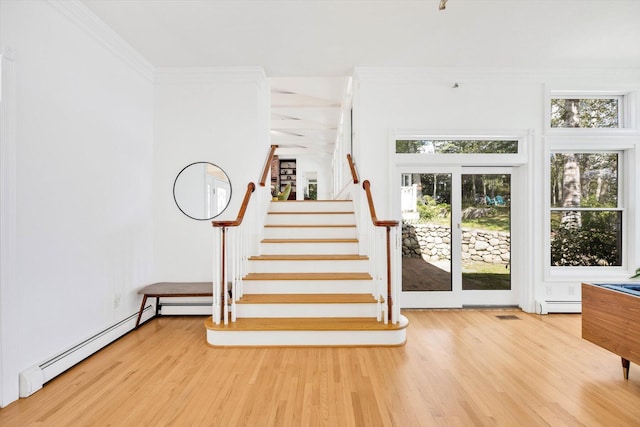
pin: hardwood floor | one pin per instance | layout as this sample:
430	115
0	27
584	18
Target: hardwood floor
459	367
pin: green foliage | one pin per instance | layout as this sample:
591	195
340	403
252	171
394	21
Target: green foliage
598	173
594	242
584	113
456	146
496	219
313	192
429	209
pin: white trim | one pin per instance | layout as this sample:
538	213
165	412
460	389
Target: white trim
81	16
9	291
626	145
523	295
627	115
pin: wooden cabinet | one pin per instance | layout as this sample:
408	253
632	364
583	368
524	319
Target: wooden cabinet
287	175
610	320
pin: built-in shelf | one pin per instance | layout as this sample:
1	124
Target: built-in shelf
287	175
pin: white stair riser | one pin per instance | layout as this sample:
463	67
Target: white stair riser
306	310
328	266
307	206
310	233
307	286
311	219
325	248
306	338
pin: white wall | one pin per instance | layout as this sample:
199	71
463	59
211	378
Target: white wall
209	115
424	100
83	161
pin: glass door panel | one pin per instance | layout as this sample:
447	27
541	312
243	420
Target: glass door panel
486	232
426	232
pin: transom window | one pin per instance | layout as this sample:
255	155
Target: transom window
456	146
592	112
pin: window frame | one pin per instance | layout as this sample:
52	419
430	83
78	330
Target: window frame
625	147
620	207
625	139
475	159
626	111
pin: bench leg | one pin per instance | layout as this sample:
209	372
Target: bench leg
144	301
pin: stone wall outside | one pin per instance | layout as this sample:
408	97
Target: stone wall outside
432	242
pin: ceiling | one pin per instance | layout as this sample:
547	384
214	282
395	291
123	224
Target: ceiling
309	47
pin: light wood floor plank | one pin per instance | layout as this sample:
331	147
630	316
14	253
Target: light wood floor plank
459	367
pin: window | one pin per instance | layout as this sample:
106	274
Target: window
456	146
586	112
587	191
586	212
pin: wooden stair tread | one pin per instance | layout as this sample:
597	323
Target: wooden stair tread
305	324
310	241
308	276
307	299
308	257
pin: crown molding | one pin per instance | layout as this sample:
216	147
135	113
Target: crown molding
81	16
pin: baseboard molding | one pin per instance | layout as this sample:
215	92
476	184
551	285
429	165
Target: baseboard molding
33	378
546	307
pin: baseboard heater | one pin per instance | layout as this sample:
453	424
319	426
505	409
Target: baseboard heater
546	307
32	379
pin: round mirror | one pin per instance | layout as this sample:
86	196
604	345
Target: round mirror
202	190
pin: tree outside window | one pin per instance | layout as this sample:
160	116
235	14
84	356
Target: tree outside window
586	218
586	112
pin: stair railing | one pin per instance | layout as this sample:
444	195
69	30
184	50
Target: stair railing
267	166
230	265
383	256
235	242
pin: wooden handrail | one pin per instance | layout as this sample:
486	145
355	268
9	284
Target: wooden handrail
378	223
267	166
245	202
387	224
352	166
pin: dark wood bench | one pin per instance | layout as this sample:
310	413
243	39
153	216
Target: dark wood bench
173	289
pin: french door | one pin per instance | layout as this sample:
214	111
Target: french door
456	237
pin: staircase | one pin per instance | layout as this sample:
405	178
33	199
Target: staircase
309	286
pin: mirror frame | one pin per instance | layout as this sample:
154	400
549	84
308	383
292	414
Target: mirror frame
205	188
